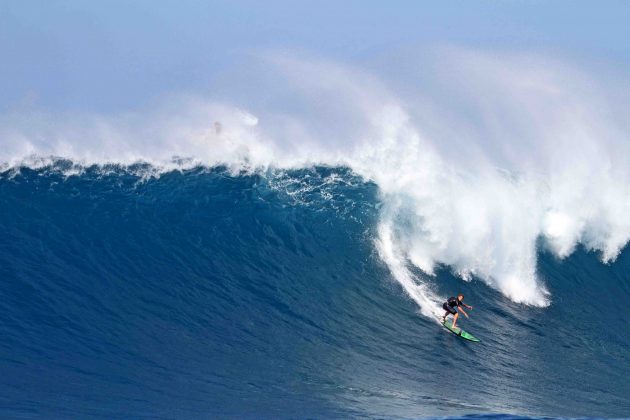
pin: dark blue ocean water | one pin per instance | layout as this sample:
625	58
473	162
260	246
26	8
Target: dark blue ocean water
201	294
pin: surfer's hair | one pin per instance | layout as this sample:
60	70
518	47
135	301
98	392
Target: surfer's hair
461	294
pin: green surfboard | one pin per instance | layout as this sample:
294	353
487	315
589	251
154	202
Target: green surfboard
448	324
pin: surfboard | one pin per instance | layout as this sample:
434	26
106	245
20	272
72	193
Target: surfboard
448	324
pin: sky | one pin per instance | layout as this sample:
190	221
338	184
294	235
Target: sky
107	56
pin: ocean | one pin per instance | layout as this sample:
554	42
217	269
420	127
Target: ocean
128	291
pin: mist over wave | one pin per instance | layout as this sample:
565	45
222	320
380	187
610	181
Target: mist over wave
478	156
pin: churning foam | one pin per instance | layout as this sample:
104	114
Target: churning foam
474	166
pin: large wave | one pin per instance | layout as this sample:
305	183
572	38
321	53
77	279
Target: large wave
479	157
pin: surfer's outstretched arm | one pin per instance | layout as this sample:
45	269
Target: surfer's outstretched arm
463	311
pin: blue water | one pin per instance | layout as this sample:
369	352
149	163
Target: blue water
205	294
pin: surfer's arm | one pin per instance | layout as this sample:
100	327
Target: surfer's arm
467	306
462	311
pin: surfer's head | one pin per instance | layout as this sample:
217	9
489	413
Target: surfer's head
460	297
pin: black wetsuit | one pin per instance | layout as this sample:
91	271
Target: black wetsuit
451	305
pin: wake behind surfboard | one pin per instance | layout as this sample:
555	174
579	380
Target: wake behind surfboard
448	324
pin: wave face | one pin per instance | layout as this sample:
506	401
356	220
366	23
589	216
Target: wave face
207	292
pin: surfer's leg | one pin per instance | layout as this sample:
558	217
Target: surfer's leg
455	319
445	307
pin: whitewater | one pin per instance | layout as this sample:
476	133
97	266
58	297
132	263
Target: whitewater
319	230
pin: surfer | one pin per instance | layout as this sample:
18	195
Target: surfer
453	306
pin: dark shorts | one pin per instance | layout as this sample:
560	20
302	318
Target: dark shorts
449	309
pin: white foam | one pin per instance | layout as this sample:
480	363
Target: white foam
511	149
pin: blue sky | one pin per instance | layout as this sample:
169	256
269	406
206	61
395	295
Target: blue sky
110	55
